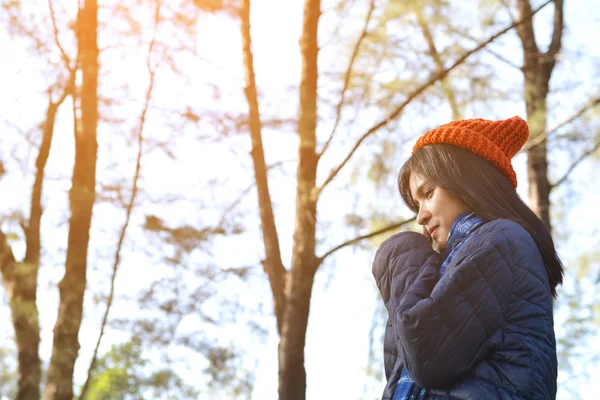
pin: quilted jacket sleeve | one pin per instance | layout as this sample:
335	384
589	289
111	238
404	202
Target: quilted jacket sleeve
442	326
397	264
395	267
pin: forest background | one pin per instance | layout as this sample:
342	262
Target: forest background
193	190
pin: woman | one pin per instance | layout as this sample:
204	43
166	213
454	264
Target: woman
472	320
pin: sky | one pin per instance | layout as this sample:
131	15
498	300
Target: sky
344	298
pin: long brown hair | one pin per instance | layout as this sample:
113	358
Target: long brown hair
484	189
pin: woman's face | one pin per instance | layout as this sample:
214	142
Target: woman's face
438	208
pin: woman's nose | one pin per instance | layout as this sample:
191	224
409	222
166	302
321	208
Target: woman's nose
423	216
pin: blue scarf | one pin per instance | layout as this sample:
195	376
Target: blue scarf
460	232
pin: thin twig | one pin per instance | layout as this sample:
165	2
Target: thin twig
437	59
366	236
544	136
557	32
245	192
499	56
575	164
508	9
65	57
341	17
340	105
436	77
152	72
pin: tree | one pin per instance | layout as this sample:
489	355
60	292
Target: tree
537	71
59	385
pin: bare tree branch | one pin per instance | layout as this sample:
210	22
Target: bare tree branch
366	236
340	105
525	31
499	56
575	164
65	57
555	45
436	77
544	137
550	56
437	59
342	14
508	9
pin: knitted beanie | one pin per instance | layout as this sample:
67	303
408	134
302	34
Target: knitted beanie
494	141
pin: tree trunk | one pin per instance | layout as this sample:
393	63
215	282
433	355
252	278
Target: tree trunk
272	263
27	328
292	306
59	385
537	71
299	282
19	281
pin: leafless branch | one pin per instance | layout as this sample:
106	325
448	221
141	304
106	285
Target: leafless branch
340	105
437	59
508	9
436	77
366	236
544	136
575	164
550	56
234	204
333	38
65	57
555	44
499	56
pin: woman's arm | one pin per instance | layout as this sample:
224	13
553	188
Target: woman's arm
442	326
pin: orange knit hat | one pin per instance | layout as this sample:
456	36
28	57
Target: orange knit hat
495	141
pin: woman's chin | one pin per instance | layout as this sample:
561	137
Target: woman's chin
440	247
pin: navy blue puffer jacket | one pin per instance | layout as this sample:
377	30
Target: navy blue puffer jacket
484	330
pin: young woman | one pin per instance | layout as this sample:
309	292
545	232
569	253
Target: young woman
471	319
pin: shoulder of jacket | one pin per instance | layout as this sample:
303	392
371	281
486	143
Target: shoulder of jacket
506	227
508	232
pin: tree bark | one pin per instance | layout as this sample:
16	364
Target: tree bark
65	347
299	282
20	283
537	71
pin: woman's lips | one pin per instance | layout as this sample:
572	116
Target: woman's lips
432	231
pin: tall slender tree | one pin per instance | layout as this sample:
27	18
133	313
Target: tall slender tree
537	71
59	385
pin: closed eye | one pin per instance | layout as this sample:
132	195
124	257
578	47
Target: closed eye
428	193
